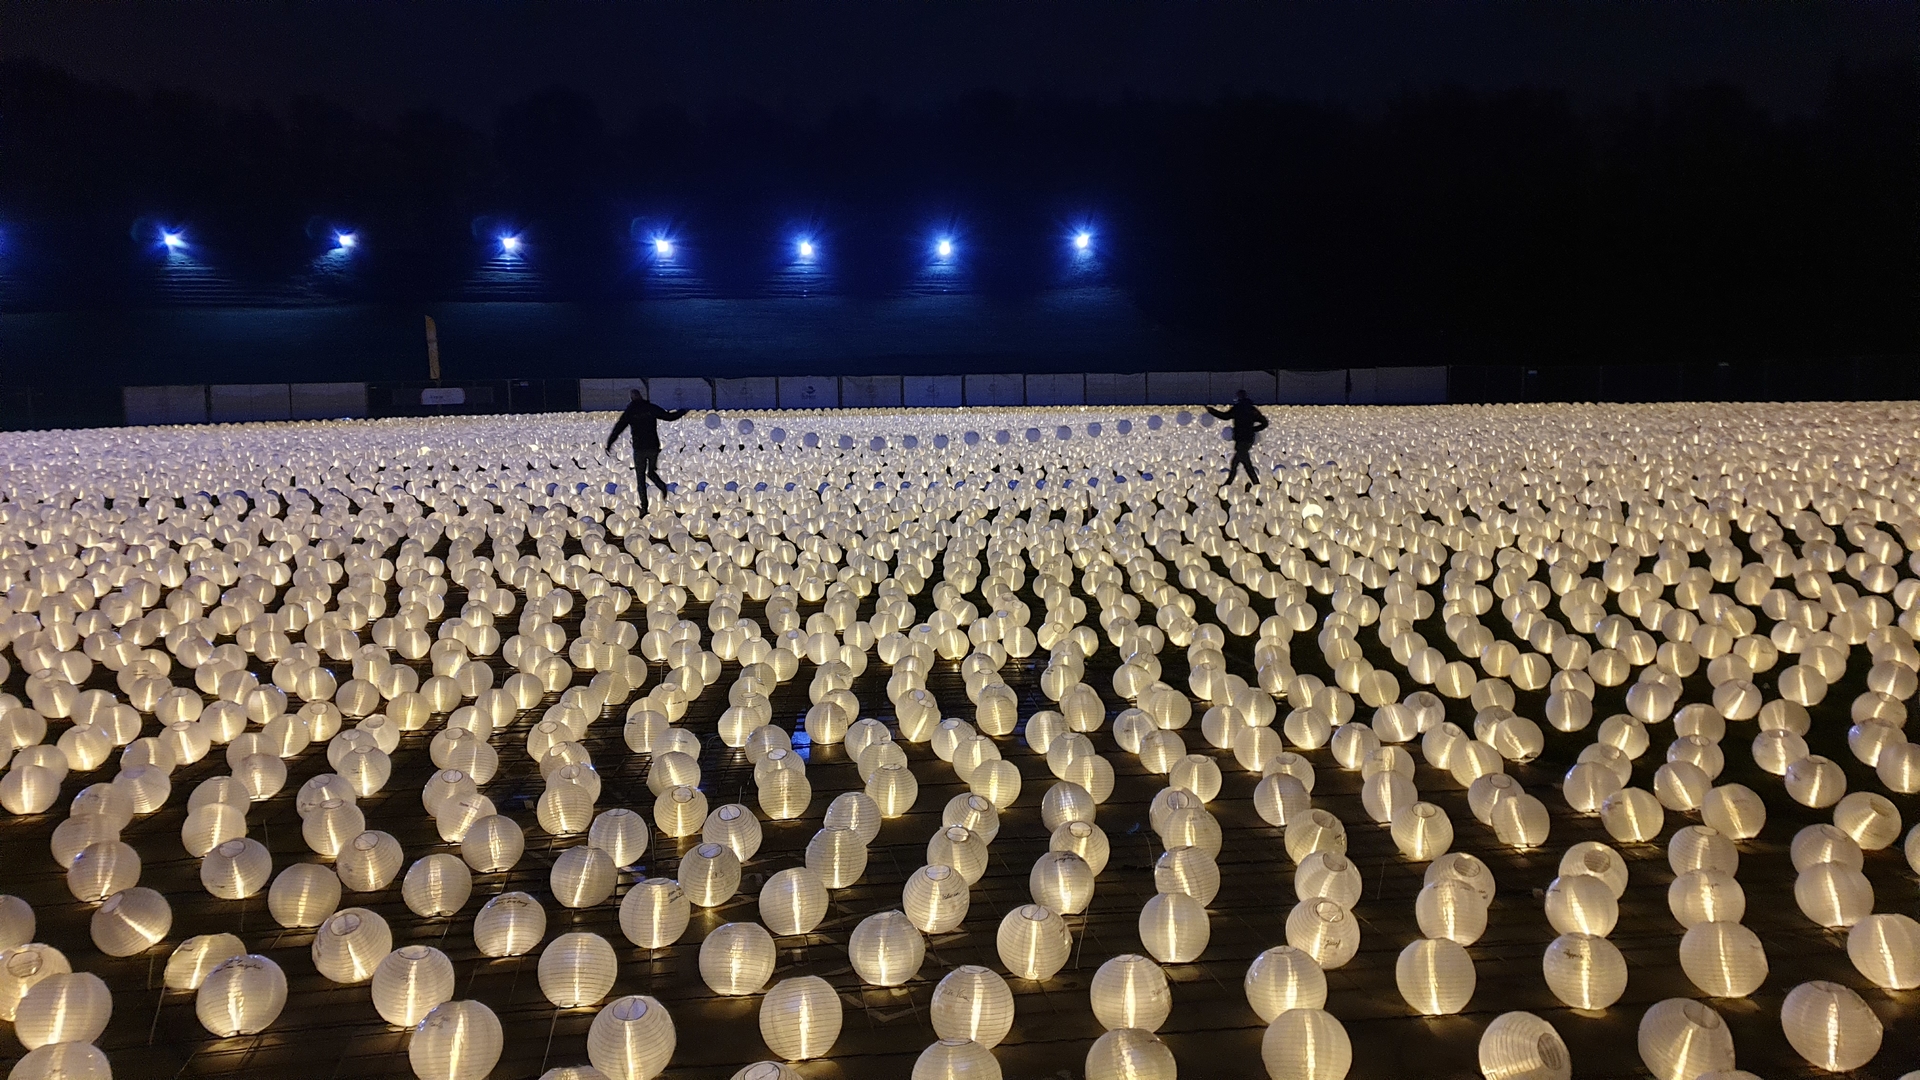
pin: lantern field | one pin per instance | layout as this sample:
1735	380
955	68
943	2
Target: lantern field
966	743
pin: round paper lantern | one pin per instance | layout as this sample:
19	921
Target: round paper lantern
956	1059
1435	976
1825	843
855	810
1680	1038
681	811
736	827
1063	882
1886	949
1724	959
578	969
1700	896
236	869
187	968
436	886
1318	830
621	833
737	958
710	874
838	855
1581	904
1324	931
1188	870
1872	820
1816	781
1421	831
242	996
1735	810
886	949
800	1017
1697	847
62	1061
1033	942
936	899
131	921
458	1040
1306	1044
409	982
1833	895
655	912
369	862
1283	978
1521	1046
793	901
893	789
1174	928
1464	868
493	844
23	966
350	944
72	1006
961	848
582	877
1130	1054
1522	821
1451	909
1130	991
1066	802
972	1002
16	922
510	924
1830	1026
1329	874
1594	859
304	895
1632	815
1585	972
632	1038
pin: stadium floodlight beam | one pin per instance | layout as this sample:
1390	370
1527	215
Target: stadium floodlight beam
805	248
173	240
346	240
510	245
1082	240
662	246
944	248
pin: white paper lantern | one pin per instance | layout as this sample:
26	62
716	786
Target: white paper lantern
935	898
1328	874
1063	882
63	1061
1174	928
1585	972
1697	847
369	862
1679	1039
1451	909
1306	1044
71	1006
1594	859
1130	991
655	912
350	944
1521	1046
510	924
1130	1054
886	949
736	827
956	1059
621	833
710	874
577	969
1283	978
458	1040
304	894
493	844
409	982
242	996
582	877
1735	810
236	869
1825	843
1833	895
187	968
737	958
1581	904
632	1038
1033	942
838	855
1871	820
1724	959
1324	931
1435	976
793	901
131	921
972	1002
800	1018
1886	949
17	922
436	886
1830	1026
681	811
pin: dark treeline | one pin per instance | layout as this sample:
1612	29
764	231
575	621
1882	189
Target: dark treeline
1449	226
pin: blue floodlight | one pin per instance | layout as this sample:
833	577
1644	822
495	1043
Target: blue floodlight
346	240
805	248
173	240
510	245
662	246
943	248
1082	240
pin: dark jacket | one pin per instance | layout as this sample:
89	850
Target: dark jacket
644	418
1247	420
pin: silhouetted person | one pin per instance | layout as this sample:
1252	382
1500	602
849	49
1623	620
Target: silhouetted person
1248	423
643	418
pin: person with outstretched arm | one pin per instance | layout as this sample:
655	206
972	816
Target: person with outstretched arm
1248	423
642	418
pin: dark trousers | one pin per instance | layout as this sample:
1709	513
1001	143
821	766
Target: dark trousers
1241	451
646	466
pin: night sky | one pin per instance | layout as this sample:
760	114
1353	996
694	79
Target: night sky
803	58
